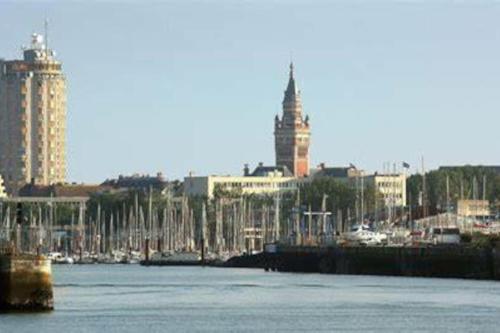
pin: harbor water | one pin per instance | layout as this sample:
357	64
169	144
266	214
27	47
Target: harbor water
131	298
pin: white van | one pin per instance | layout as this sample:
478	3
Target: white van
444	235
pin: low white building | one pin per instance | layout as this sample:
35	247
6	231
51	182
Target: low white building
208	185
3	193
391	186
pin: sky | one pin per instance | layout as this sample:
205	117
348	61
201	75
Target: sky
194	86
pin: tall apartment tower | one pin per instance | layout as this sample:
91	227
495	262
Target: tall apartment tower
292	132
32	118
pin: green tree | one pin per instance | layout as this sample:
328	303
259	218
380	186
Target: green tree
464	182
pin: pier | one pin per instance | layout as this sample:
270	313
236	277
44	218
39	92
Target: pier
443	262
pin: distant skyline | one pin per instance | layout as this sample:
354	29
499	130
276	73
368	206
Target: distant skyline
194	86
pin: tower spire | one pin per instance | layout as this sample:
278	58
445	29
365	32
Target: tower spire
291	90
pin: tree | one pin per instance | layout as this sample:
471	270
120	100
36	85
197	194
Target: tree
339	195
464	182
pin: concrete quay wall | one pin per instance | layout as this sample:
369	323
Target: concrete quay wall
25	283
456	262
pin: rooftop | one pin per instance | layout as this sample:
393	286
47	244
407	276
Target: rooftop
269	171
61	190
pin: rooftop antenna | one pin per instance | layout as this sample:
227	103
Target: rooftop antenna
46	33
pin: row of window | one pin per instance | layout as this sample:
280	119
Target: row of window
390	184
396	195
258	185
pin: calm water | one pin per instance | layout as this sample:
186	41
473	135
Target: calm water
160	299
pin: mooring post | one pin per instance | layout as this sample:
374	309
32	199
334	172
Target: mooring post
147	250
202	251
12	247
26	283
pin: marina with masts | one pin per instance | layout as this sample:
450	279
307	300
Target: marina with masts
155	226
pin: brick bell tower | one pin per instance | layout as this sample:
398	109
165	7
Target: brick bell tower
292	132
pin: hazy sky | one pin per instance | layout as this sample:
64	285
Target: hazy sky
194	86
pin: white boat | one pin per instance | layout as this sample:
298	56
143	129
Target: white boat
119	257
134	257
363	235
176	257
59	258
105	259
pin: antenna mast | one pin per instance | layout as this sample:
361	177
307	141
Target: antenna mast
46	33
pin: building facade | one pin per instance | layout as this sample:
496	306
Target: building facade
208	185
473	208
392	188
32	118
292	133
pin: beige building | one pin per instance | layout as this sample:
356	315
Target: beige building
391	186
473	208
3	193
32	118
208	185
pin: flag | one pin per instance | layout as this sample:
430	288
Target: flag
406	165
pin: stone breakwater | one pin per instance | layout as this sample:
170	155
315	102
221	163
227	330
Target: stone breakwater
25	283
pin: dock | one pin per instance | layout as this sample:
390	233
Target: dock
440	261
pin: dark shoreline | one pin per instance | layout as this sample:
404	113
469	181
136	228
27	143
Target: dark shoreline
437	262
